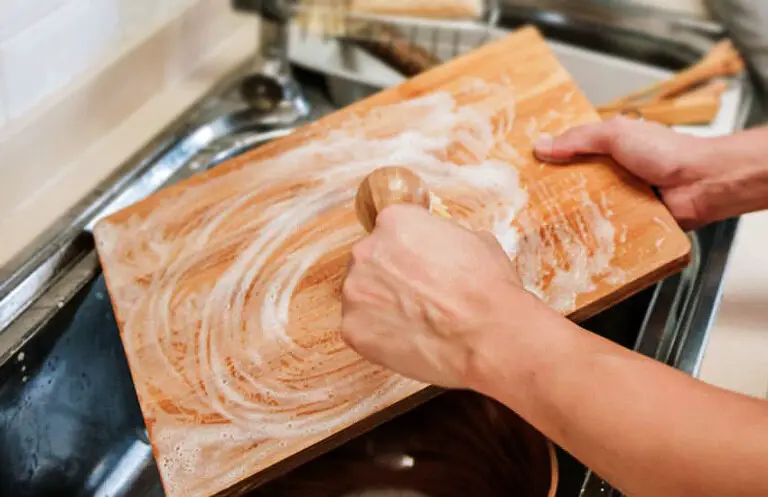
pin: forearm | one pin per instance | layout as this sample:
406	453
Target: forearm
647	428
735	175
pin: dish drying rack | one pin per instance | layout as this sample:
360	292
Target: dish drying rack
444	38
410	44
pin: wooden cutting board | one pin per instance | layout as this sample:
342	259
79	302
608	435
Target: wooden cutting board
226	286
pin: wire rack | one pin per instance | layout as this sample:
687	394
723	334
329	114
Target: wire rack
432	38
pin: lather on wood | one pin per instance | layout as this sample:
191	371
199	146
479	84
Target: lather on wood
226	286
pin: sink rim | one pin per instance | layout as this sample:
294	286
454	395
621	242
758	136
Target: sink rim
65	260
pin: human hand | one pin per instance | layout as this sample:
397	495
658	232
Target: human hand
671	161
424	296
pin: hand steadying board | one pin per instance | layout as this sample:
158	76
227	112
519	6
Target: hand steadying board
226	286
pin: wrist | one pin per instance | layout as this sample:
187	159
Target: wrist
736	183
518	340
731	178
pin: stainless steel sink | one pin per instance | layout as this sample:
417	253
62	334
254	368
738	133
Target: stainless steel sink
69	418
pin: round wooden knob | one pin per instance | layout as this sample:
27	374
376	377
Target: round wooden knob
386	186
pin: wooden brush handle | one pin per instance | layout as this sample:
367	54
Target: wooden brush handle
386	186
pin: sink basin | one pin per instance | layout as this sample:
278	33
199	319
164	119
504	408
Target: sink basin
69	418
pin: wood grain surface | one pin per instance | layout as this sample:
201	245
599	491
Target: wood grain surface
226	286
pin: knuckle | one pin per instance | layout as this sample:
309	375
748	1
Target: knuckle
361	251
605	135
389	216
619	126
397	215
618	120
351	337
349	290
345	329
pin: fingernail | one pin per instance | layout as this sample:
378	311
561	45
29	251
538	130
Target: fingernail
544	145
544	150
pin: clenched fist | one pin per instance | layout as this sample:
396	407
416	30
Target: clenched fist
424	296
441	304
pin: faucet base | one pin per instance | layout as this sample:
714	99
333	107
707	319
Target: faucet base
265	93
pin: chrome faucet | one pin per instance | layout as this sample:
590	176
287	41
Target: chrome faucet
271	83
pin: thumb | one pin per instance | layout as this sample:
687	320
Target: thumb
589	139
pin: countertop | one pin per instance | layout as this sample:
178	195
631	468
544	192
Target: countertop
737	353
736	357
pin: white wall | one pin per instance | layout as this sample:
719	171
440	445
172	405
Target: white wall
74	72
46	44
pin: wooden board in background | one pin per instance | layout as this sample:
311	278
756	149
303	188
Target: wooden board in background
226	286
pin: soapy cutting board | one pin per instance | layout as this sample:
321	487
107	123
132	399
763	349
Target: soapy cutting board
226	286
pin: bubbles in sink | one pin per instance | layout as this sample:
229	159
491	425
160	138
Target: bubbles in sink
20	357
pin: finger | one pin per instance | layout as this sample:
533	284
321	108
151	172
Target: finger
349	292
493	242
516	278
350	265
355	335
348	334
393	215
590	139
362	251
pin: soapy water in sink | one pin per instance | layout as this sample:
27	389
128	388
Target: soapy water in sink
250	384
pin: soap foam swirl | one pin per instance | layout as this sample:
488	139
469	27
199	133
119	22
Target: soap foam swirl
227	291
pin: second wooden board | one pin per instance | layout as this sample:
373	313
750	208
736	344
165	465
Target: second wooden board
226	286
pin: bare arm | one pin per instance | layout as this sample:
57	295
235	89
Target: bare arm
740	185
442	305
647	428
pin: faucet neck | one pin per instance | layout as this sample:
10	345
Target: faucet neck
273	44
